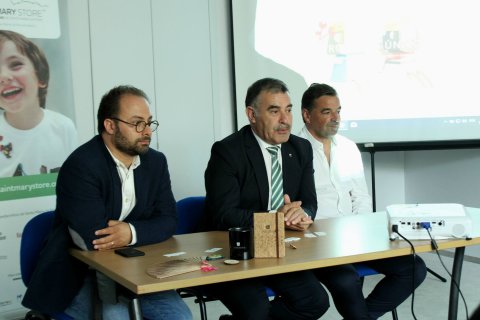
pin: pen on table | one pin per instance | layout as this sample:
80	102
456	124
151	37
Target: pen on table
292	246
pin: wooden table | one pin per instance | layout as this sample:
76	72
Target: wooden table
345	240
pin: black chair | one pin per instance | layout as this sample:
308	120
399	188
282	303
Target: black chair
34	236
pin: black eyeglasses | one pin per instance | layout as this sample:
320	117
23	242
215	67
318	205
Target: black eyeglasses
141	125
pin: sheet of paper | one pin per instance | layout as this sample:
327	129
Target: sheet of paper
173	254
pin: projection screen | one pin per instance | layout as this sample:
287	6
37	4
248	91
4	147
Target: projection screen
405	72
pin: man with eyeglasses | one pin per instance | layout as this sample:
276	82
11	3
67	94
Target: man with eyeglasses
113	191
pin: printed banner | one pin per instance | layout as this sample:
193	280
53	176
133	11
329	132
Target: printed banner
28	186
11	227
33	19
37	126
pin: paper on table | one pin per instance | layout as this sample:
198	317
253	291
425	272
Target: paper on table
173	267
291	239
174	254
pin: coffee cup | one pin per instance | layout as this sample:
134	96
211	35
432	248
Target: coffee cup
241	244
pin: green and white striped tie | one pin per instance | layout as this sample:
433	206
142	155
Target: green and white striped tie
277	179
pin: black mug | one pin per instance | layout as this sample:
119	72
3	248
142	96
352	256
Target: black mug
241	244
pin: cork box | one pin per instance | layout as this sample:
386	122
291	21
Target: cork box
269	235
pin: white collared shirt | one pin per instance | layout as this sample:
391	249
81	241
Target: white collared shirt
267	158
128	190
340	185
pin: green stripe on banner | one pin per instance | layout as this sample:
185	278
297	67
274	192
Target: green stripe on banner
39	185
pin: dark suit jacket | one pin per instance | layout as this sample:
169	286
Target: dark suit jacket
237	184
89	194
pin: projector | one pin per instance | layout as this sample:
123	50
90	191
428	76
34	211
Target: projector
443	220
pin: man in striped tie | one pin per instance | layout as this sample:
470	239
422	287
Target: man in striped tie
262	168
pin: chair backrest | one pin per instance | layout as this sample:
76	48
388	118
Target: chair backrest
33	238
190	212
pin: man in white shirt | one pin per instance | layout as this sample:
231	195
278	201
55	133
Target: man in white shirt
341	190
339	178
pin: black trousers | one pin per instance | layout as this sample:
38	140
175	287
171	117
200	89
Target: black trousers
299	295
402	275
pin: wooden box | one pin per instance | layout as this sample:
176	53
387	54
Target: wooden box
269	235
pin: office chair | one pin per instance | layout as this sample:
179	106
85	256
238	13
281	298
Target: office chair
364	271
34	236
190	211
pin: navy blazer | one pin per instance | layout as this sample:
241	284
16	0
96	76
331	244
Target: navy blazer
89	194
237	184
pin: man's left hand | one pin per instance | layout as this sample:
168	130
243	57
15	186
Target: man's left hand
117	234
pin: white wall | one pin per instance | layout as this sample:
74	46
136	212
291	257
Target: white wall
389	177
443	176
192	82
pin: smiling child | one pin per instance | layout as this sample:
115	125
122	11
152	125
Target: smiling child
33	140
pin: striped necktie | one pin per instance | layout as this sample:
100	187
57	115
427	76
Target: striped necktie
277	179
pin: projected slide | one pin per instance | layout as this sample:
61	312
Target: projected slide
404	70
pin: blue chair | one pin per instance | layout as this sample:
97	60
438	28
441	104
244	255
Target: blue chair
364	271
34	236
190	212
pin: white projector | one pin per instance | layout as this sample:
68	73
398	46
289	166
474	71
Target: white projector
443	220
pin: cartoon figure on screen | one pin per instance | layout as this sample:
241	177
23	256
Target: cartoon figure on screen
400	43
33	140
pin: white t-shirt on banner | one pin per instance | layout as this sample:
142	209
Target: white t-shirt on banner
41	149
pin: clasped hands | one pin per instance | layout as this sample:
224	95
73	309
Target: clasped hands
295	217
116	235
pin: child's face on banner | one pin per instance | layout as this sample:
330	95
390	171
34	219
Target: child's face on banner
18	81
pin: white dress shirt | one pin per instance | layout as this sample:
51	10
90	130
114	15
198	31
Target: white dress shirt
340	185
129	198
